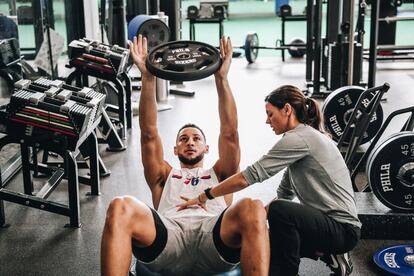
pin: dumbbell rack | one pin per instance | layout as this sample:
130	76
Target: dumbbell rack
124	109
51	116
105	62
68	169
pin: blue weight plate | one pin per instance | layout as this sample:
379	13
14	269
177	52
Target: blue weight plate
398	259
155	30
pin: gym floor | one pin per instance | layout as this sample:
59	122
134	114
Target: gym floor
37	243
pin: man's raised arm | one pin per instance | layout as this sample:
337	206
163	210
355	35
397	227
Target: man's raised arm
155	168
229	149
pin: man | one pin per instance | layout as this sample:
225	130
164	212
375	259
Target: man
206	239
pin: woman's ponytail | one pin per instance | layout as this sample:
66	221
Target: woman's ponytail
314	114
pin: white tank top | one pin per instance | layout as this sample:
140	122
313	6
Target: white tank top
189	183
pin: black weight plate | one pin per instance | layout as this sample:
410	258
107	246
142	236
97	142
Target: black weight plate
192	12
250	47
155	30
337	109
285	10
219	11
8	28
390	171
183	60
295	52
397	259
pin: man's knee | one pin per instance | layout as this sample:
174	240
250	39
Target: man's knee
122	210
250	213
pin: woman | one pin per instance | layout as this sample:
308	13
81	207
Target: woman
325	222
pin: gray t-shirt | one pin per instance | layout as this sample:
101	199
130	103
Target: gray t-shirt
316	173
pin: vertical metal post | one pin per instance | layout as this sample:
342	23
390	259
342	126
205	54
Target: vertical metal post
121	107
128	92
2	215
27	176
73	188
94	164
192	29
283	37
172	8
351	44
37	23
317	49
333	20
373	41
221	28
75	25
118	35
309	40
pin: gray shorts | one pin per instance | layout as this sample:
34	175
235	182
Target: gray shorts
187	246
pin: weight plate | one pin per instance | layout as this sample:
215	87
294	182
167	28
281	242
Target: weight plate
285	10
192	12
397	259
338	107
155	30
183	60
219	11
390	171
250	47
295	52
8	28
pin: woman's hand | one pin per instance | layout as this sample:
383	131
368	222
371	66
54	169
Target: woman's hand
226	54
139	52
191	202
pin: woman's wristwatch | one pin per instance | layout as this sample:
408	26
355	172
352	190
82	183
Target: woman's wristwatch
208	194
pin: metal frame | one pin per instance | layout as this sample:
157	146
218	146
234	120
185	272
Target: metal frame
373	43
360	118
75	25
194	21
68	170
408	126
286	18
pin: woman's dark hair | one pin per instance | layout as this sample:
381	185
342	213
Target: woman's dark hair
306	109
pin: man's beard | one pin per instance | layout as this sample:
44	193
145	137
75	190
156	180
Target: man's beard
192	161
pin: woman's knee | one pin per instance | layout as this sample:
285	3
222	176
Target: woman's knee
278	212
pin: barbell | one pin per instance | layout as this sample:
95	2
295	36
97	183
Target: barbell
390	19
251	47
